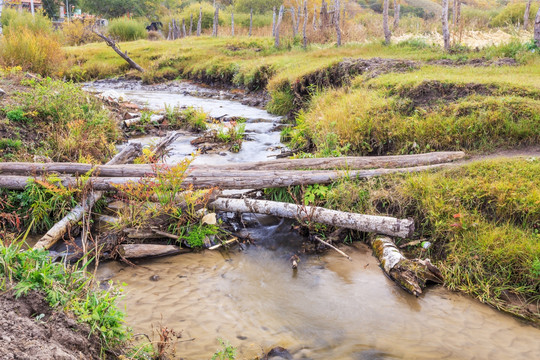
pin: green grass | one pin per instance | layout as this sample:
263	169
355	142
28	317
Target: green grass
432	108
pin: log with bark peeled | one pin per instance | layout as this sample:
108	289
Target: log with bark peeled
137	251
75	215
229	180
368	223
347	162
412	275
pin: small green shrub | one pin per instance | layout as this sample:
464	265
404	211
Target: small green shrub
125	29
10	144
17	115
227	351
198	233
513	15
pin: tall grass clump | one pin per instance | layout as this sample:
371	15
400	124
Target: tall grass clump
29	42
125	29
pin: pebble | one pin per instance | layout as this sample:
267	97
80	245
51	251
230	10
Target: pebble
154	278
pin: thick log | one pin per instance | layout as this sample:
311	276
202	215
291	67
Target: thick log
225	179
137	251
403	228
411	275
348	162
75	215
123	55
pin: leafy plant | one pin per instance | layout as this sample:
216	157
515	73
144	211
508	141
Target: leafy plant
17	115
227	351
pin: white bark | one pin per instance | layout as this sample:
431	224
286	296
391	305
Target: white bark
527	15
304	37
397	9
1	6
336	21
199	23
294	21
191	25
367	223
274	21
232	23
278	24
445	31
537	28
386	27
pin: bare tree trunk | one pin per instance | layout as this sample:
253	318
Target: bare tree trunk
386	27
294	20
123	55
336	18
397	9
170	32
527	15
537	28
250	21
274	22
191	25
324	15
1	6
199	23
184	33
75	215
314	24
454	13
445	31
216	22
403	228
298	20
232	23
458	21
278	24
305	24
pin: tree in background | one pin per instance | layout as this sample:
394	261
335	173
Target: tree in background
117	8
52	7
258	6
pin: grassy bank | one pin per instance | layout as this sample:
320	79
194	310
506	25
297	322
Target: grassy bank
484	229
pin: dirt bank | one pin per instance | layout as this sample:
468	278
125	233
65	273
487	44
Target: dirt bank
30	329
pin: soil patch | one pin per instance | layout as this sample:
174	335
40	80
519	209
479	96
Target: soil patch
431	92
340	74
30	329
480	62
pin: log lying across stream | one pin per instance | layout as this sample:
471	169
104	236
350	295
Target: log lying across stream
349	162
403	228
226	179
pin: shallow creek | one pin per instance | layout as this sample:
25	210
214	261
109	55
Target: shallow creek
330	308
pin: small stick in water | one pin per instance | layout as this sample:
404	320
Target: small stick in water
332	246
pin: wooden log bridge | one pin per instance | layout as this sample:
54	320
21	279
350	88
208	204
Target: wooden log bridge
347	162
403	228
226	179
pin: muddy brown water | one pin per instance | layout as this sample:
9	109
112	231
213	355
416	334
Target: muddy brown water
330	308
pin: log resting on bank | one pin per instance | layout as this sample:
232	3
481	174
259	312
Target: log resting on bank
137	251
227	179
75	215
412	275
403	228
347	162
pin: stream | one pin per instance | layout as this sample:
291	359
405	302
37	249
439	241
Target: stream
330	308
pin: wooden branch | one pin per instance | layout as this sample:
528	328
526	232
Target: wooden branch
217	246
412	275
123	55
362	162
137	251
332	247
225	179
75	215
367	223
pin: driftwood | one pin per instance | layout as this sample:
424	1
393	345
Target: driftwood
136	120
368	223
59	229
332	247
137	251
225	179
123	55
356	163
412	275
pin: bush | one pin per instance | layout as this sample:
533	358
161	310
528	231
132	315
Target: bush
38	52
13	21
513	15
77	33
127	29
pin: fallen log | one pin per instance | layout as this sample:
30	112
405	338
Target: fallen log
136	120
411	275
110	42
353	163
75	215
403	228
223	179
137	251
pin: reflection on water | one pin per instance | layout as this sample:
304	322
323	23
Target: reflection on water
330	308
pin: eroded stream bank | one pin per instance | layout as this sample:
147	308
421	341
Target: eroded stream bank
330	309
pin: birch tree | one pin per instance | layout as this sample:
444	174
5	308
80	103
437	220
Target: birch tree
526	15
1	5
446	33
387	33
537	28
397	8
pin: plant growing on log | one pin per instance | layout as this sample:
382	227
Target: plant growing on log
190	118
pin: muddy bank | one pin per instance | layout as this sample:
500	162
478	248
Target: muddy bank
30	329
